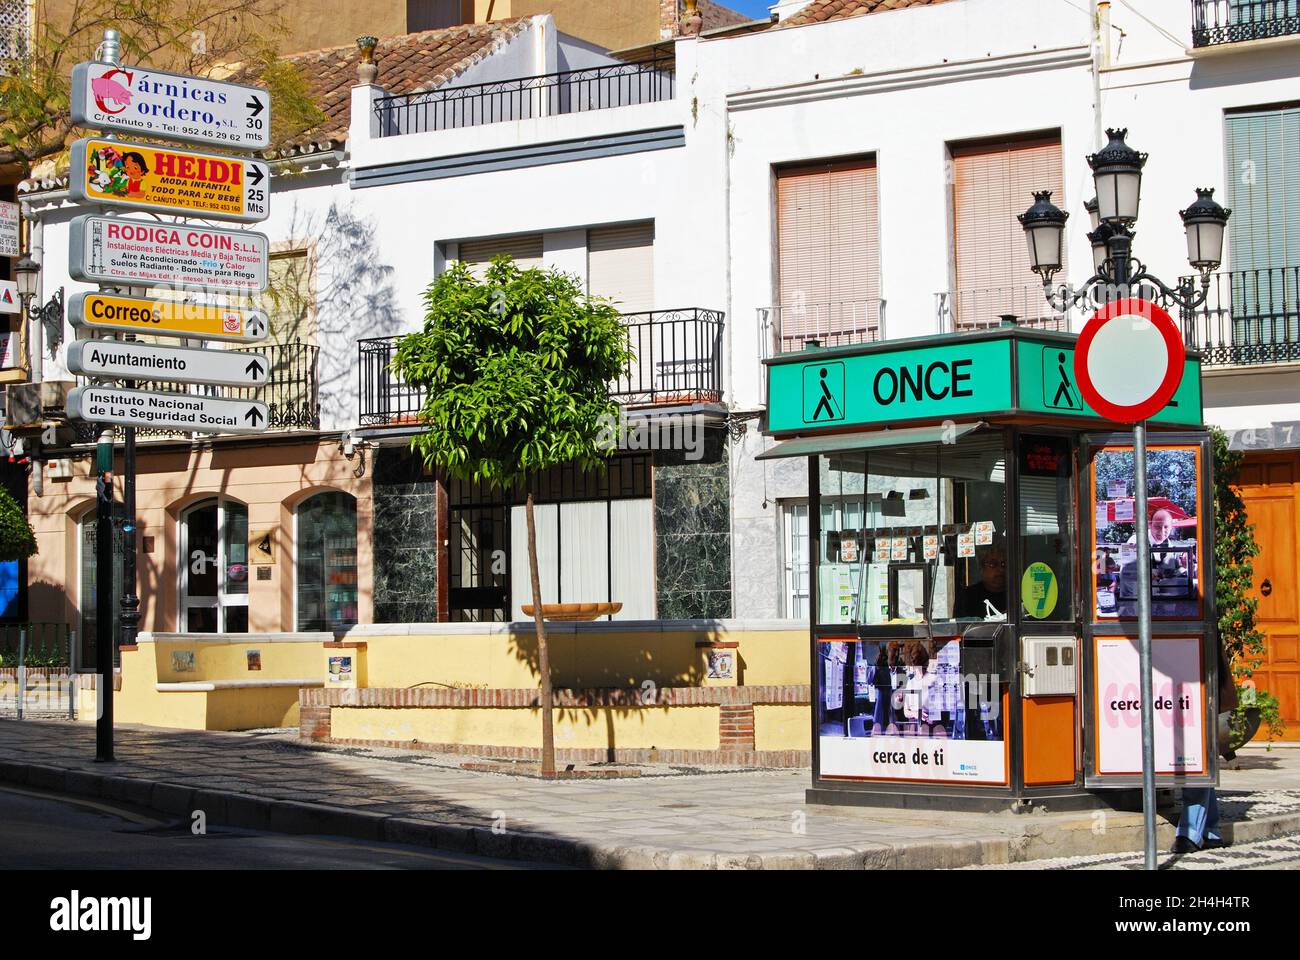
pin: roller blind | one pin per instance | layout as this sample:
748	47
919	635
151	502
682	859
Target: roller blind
1264	189
526	249
992	183
620	265
828	243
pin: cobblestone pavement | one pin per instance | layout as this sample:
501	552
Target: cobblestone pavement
670	816
1279	853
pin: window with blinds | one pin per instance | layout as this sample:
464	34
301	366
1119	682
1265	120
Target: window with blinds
620	265
991	184
1263	174
526	249
828	253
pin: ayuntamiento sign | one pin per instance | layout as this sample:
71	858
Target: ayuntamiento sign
170	106
176	411
166	318
1000	373
177	255
138	176
111	360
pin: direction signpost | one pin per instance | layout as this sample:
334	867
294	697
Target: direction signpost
1128	364
122	253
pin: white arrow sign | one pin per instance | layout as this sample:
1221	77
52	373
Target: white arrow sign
171	106
142	253
176	411
143	361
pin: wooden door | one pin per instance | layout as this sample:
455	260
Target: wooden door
1270	485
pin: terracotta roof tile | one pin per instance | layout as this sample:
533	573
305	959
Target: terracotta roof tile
820	11
407	63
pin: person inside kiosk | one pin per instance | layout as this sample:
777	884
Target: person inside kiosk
913	562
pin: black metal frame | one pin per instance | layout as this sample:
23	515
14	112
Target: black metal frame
524	98
1250	317
678	360
1219	21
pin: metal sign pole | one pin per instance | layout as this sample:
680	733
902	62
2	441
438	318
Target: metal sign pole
1144	641
104	595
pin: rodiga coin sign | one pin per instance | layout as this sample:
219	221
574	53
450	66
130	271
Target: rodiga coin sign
164	180
1129	360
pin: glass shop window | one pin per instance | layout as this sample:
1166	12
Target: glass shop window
1047	529
214	579
327	562
922	528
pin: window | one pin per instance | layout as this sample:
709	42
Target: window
828	254
326	562
214	567
433	15
991	184
620	265
526	249
1047	532
290	298
1263	164
795	561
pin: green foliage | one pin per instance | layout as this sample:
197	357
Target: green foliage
1234	548
517	370
17	540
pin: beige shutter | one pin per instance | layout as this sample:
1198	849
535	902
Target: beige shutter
828	252
526	249
992	183
620	265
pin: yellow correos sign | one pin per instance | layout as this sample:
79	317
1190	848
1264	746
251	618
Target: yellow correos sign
168	318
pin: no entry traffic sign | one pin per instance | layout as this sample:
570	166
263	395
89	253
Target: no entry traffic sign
1129	360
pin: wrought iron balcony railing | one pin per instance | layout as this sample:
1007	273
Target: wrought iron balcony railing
526	98
292	394
677	360
1235	21
789	327
982	308
1249	317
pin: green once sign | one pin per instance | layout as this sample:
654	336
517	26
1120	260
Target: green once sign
834	391
1046	375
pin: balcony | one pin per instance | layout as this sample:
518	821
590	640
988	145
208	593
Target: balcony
677	360
526	98
1249	317
969	309
788	328
292	394
1216	22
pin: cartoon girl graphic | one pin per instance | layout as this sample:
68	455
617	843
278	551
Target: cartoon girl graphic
136	170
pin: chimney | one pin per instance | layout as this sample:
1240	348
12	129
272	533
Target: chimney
367	69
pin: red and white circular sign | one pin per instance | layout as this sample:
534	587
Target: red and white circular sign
1129	360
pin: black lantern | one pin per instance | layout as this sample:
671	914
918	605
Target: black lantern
1205	222
1100	240
1117	172
26	271
1091	208
1044	225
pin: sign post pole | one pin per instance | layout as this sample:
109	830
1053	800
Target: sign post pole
104	646
1144	643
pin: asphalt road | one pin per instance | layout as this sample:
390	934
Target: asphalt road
44	831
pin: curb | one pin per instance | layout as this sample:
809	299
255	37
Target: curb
251	812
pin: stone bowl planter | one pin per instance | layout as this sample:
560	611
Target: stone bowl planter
573	611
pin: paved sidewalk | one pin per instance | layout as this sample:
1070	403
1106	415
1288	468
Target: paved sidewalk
670	817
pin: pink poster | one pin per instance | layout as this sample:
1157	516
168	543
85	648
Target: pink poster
1178	685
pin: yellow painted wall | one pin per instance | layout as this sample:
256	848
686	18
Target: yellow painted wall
227	660
781	727
682	728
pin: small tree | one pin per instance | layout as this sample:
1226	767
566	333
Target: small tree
1234	548
17	541
517	370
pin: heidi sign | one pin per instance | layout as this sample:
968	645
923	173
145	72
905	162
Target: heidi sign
170	105
155	179
999	374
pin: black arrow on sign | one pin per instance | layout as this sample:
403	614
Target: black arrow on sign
254	369
254	416
255	105
255	174
256	327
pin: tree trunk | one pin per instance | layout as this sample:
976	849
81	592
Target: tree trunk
543	655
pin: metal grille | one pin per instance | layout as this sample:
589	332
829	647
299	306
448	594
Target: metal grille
15	31
36	677
1236	21
1249	317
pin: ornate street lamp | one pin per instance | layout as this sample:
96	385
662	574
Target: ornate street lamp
27	274
1117	170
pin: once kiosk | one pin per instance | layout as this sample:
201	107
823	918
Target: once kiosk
972	575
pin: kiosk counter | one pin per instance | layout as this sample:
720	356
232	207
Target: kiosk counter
973	579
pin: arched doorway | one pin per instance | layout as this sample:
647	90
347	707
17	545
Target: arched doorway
325	568
214	567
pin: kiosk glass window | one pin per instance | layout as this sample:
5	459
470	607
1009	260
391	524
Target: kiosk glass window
327	562
1047	530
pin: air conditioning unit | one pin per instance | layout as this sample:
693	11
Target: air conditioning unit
60	471
30	405
1048	666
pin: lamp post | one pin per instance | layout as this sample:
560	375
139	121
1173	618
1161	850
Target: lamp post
1117	174
27	275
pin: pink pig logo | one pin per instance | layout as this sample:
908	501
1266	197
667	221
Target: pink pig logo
107	90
